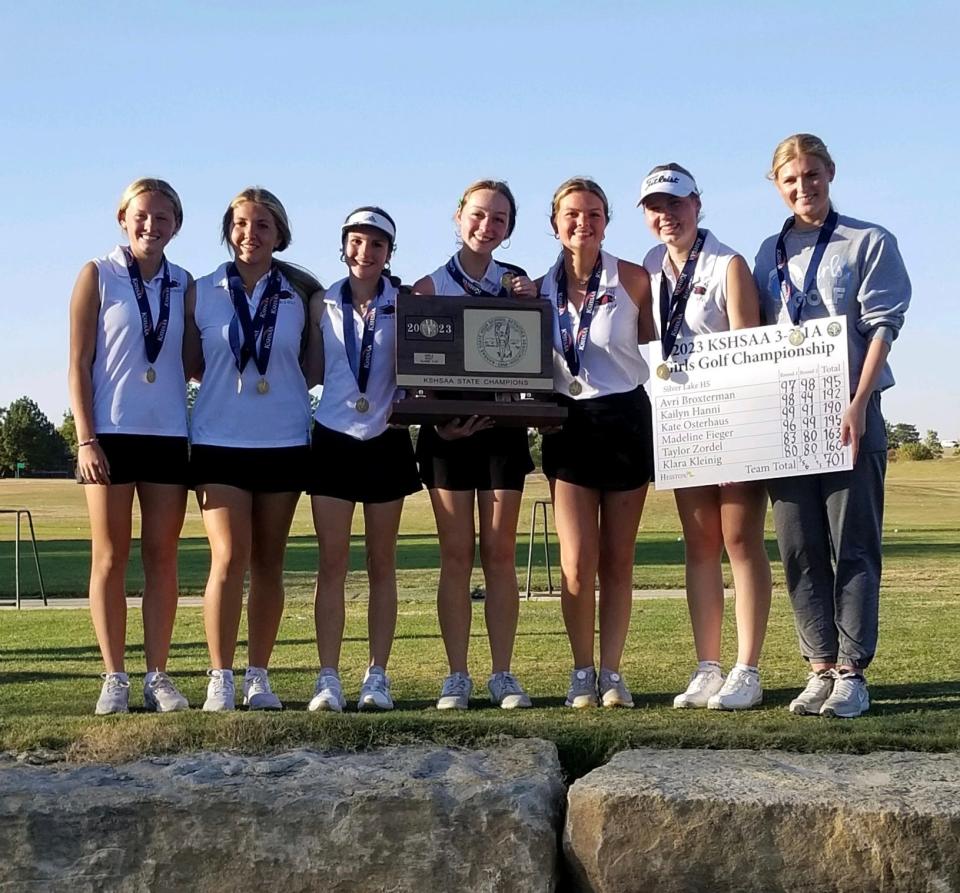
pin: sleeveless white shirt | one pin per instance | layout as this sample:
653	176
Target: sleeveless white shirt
124	402
610	362
337	409
706	310
232	416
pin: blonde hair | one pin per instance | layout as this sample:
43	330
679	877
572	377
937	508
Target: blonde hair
150	184
259	196
796	145
496	186
577	184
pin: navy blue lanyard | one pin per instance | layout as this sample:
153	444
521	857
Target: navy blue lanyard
572	349
152	335
787	288
263	324
672	310
360	367
468	285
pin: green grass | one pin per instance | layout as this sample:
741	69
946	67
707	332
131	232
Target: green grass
49	661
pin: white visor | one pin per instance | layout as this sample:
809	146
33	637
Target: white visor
370	218
669	182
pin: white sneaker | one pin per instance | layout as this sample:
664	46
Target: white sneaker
506	691
613	690
161	695
849	697
328	694
704	684
375	690
583	689
114	694
456	691
256	691
741	690
221	693
818	688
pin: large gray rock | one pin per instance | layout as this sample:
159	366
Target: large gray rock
398	819
691	820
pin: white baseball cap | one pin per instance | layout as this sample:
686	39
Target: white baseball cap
668	182
366	217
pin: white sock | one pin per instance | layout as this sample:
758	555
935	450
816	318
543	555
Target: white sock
709	666
746	668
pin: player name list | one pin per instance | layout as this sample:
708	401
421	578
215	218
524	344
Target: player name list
752	404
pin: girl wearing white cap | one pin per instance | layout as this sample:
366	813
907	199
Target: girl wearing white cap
829	526
469	459
129	403
600	462
703	286
356	456
245	330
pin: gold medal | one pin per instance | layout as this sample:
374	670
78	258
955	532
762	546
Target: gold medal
663	371
151	375
796	337
362	404
576	388
263	386
506	281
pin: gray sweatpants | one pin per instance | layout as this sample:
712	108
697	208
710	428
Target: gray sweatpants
829	529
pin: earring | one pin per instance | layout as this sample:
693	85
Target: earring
505	244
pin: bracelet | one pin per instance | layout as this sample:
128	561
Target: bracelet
89	442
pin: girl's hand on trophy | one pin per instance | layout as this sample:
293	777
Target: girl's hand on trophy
458	428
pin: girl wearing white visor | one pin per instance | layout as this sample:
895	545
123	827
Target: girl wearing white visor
701	286
357	457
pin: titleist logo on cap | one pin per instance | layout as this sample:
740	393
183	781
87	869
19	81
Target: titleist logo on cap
661	178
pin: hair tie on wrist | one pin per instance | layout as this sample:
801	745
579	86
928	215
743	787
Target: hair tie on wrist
89	442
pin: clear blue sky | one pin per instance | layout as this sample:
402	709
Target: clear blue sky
334	105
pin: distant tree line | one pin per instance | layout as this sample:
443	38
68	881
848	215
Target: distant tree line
904	442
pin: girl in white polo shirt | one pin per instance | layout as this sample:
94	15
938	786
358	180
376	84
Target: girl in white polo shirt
471	459
599	463
356	456
701	286
249	434
128	398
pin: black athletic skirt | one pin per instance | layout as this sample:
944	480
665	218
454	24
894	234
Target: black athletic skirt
492	459
381	469
606	443
259	470
146	458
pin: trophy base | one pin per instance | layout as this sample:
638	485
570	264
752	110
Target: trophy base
516	414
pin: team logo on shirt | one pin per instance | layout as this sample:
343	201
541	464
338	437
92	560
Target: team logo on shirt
501	341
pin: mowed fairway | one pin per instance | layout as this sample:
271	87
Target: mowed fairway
49	660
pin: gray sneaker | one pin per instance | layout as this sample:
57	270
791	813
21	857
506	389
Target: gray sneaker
328	694
257	694
161	695
613	690
114	694
221	693
456	691
849	698
818	688
583	688
375	691
506	691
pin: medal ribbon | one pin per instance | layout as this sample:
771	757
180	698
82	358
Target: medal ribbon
787	288
573	348
262	325
468	285
672	310
361	367
152	335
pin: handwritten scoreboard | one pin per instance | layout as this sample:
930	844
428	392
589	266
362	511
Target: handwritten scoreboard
751	404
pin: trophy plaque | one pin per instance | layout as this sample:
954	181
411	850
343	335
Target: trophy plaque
459	356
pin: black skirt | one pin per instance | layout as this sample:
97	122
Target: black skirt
606	443
382	469
145	458
492	459
256	469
